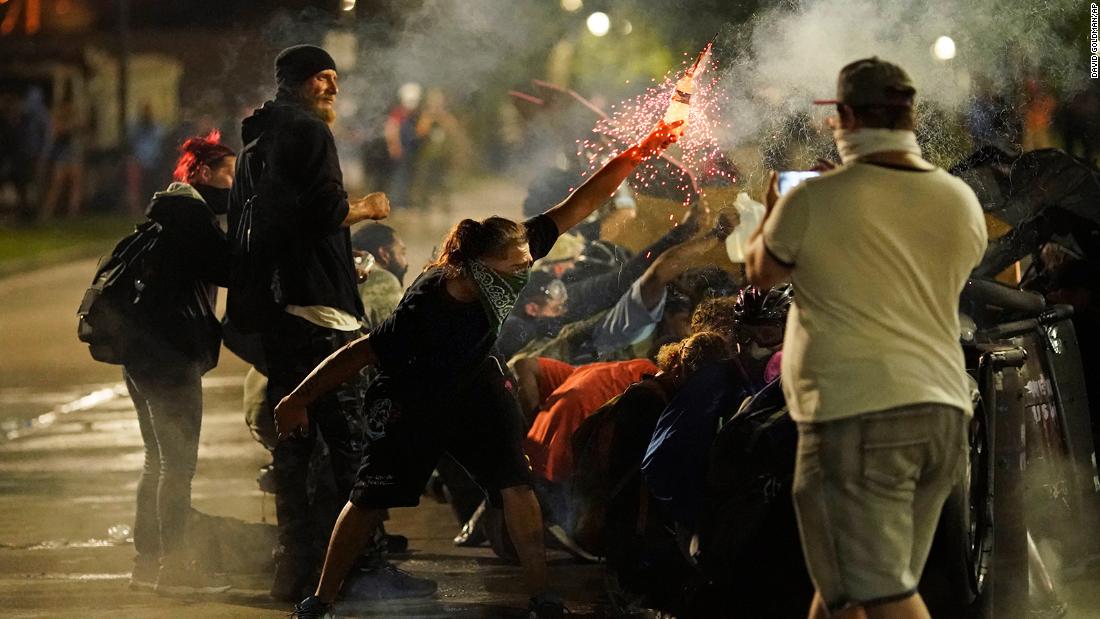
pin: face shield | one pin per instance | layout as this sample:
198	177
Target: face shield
759	337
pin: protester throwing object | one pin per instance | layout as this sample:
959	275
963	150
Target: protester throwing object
444	332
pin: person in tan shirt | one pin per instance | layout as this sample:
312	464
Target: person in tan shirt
878	251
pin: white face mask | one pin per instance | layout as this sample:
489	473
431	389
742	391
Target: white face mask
853	145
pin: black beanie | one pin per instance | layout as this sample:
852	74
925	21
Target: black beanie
297	63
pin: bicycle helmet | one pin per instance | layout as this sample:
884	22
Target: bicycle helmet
755	306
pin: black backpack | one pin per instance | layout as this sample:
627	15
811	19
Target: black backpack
750	469
115	311
255	299
749	535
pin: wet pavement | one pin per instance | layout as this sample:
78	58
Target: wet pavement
66	485
70	455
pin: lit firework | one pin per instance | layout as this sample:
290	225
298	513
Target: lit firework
700	156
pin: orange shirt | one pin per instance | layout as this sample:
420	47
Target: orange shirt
588	387
552	373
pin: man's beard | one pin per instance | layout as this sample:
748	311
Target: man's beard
325	113
399	273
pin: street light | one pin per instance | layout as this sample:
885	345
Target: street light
944	48
572	5
598	23
628	27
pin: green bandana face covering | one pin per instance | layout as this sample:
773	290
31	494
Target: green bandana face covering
499	293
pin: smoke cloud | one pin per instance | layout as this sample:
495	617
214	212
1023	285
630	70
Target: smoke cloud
458	47
773	64
783	58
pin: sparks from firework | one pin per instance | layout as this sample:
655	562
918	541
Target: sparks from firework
699	157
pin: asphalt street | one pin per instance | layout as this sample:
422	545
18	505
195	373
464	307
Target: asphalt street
70	456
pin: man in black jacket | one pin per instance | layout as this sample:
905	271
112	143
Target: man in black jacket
314	284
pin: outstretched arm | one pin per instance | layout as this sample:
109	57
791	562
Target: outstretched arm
338	368
599	292
597	189
643	304
669	265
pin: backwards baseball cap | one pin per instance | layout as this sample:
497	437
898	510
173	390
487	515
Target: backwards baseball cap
871	81
297	63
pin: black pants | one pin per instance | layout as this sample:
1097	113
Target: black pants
479	424
292	351
169	410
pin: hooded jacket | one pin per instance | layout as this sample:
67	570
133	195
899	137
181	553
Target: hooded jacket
314	260
193	259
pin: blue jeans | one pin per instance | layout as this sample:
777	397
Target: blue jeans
169	410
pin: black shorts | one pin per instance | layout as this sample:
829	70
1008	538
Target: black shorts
479	424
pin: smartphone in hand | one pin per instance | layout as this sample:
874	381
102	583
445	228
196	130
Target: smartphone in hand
790	179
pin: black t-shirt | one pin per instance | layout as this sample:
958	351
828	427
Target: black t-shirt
432	340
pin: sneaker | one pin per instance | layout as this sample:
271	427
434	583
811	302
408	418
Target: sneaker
385	582
144	576
471	536
312	608
473	533
545	606
387	543
189	580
